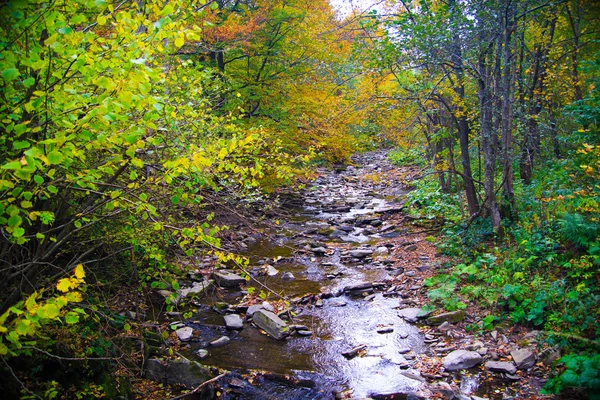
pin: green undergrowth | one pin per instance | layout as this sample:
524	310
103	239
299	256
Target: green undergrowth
541	271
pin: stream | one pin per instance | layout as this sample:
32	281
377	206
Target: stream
329	259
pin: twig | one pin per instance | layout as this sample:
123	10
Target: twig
71	358
216	378
18	380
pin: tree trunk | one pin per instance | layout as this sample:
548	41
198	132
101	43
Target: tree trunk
508	191
489	138
463	123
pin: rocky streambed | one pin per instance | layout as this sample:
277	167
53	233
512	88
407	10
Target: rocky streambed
347	318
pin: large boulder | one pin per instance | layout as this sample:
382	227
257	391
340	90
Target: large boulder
271	323
176	372
461	359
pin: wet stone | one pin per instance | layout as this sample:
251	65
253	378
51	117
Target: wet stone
271	323
222	341
453	317
202	353
252	309
227	279
303	332
411	314
184	334
523	358
176	372
288	276
354	352
319	251
360	253
461	359
386	329
501	366
233	322
381	251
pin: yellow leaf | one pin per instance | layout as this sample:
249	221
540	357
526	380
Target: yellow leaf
179	41
64	285
79	272
101	20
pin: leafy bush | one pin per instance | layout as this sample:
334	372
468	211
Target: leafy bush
580	371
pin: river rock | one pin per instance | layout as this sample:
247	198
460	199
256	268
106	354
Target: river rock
222	341
271	323
202	353
357	287
381	251
196	290
176	372
288	276
354	352
252	309
271	270
233	322
184	334
523	358
452	317
360	253
412	314
227	278
501	366
319	251
461	359
385	329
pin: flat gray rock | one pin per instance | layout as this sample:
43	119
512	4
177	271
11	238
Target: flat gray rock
222	341
360	253
176	372
461	359
411	314
452	317
523	358
501	366
252	309
271	323
184	334
227	278
233	322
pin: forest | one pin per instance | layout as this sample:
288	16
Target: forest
140	139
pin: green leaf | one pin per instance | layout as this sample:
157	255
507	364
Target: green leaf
38	179
55	157
168	10
14	165
48	311
52	189
29	82
10	74
14	221
18	232
21	144
71	318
